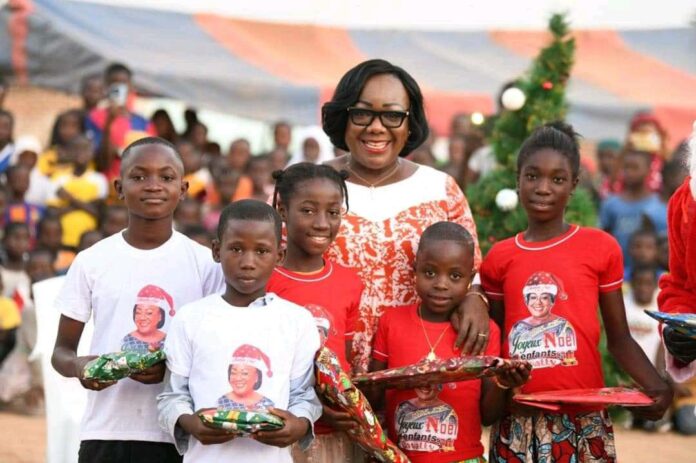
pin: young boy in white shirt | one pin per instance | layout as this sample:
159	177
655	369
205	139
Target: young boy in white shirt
244	350
132	284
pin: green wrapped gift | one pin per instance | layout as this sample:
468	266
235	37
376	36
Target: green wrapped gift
119	365
240	422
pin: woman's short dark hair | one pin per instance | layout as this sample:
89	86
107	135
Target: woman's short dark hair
334	113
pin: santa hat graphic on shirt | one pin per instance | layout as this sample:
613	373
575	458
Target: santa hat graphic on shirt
321	318
154	295
323	321
246	354
544	282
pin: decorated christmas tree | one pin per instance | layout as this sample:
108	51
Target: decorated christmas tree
536	98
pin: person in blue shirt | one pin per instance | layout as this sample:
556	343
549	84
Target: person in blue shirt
625	213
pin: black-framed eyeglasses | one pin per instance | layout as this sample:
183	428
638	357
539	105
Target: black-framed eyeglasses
364	117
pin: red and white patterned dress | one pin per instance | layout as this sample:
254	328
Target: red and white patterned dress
379	238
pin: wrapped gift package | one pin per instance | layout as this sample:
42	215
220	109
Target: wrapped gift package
684	323
337	390
240	422
598	396
119	365
431	372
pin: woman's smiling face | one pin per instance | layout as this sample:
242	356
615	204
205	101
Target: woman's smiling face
242	379
374	146
146	318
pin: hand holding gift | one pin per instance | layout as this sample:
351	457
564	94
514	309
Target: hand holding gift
335	387
430	372
119	365
242	423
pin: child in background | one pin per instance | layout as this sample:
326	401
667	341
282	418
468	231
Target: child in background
50	237
442	422
197	176
646	134
199	234
164	127
225	182
609	161
310	199
188	213
55	160
27	149
642	250
16	243
3	205
40	265
673	174
544	287
258	344
88	239
6	141
259	171
239	154
663	253
21	379
622	215
107	280
641	296
114	219
79	193
18	209
10	319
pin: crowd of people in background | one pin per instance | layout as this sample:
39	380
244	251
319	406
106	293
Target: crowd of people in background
59	199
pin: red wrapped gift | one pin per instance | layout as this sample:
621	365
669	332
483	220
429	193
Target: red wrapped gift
336	389
429	372
594	396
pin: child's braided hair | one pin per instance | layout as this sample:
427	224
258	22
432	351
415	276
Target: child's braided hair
286	181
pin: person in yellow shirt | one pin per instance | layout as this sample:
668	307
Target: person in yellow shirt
78	193
197	176
10	319
67	126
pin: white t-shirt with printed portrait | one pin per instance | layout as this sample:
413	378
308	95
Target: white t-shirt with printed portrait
133	295
228	352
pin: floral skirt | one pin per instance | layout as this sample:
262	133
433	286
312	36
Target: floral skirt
553	438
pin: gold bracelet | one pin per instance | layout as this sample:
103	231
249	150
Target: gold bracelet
482	296
501	386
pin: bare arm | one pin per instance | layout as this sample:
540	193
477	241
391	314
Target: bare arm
65	359
631	357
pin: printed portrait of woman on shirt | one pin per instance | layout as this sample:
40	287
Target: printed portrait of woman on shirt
543	339
245	375
149	317
426	423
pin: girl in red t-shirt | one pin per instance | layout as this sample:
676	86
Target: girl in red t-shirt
441	422
310	200
544	286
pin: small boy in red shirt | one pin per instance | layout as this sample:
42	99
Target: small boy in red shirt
441	422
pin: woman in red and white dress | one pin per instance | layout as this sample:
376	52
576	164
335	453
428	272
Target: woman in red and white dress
377	115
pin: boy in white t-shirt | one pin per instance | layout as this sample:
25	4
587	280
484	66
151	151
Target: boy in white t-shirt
245	349
132	284
641	296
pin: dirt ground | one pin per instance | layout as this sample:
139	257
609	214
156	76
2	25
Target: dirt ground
24	441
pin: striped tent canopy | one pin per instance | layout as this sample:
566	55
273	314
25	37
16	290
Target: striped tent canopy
270	70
